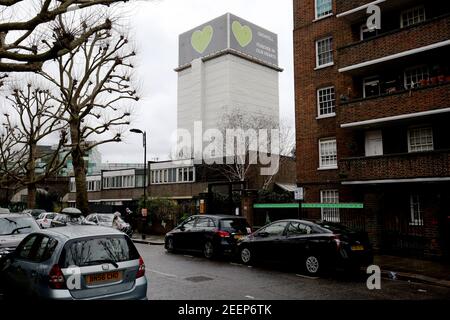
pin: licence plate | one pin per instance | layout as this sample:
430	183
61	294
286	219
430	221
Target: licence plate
357	248
102	278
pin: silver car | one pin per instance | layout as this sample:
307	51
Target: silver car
76	263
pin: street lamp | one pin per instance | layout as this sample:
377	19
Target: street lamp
144	134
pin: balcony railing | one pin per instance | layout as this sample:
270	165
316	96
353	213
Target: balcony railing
398	103
425	34
435	164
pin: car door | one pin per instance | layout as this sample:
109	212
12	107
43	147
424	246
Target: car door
183	234
201	232
267	240
21	269
295	243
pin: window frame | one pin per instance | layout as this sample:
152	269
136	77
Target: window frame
423	66
413	221
321	165
328	64
336	212
402	21
420	128
323	16
326	115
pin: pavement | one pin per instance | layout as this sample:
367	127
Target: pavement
392	267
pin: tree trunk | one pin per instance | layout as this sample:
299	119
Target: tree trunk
31	172
31	198
79	168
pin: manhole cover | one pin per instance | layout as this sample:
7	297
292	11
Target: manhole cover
199	279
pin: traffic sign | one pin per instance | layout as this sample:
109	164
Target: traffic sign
299	194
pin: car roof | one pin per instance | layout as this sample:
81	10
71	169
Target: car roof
15	215
219	216
296	220
74	232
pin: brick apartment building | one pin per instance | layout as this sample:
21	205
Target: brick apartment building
372	114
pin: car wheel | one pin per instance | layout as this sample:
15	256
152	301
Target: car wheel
208	250
246	256
312	265
169	245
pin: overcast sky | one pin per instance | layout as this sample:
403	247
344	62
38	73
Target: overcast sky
155	27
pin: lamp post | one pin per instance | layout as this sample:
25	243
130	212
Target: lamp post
144	135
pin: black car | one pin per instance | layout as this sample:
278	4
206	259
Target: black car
62	220
311	246
210	234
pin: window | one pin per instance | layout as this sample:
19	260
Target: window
330	214
416	211
328	153
414	76
275	229
420	139
324	52
324	8
412	16
204	223
298	229
24	250
189	224
46	249
326	99
371	87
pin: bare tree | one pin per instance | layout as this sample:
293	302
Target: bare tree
26	23
30	118
93	82
243	132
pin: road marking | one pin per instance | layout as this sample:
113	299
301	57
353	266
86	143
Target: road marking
162	273
306	277
250	297
188	256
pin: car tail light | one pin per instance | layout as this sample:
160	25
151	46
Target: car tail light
56	278
141	270
223	234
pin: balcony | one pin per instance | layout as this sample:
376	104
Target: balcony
435	164
401	103
396	44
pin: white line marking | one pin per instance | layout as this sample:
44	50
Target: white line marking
187	256
162	273
236	264
306	277
250	297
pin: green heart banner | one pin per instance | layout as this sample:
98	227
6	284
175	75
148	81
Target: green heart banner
243	34
201	39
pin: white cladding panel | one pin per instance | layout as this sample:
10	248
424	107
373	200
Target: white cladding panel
208	89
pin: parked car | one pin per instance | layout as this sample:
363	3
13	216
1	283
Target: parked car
62	220
74	263
212	235
34	212
313	247
13	229
4	211
106	220
45	219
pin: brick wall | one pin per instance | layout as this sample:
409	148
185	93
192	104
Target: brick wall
307	81
345	5
419	100
425	34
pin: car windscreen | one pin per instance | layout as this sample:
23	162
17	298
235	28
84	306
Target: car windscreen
234	225
98	250
17	225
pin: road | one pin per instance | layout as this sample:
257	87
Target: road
187	277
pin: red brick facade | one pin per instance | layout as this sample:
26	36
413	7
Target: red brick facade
388	206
